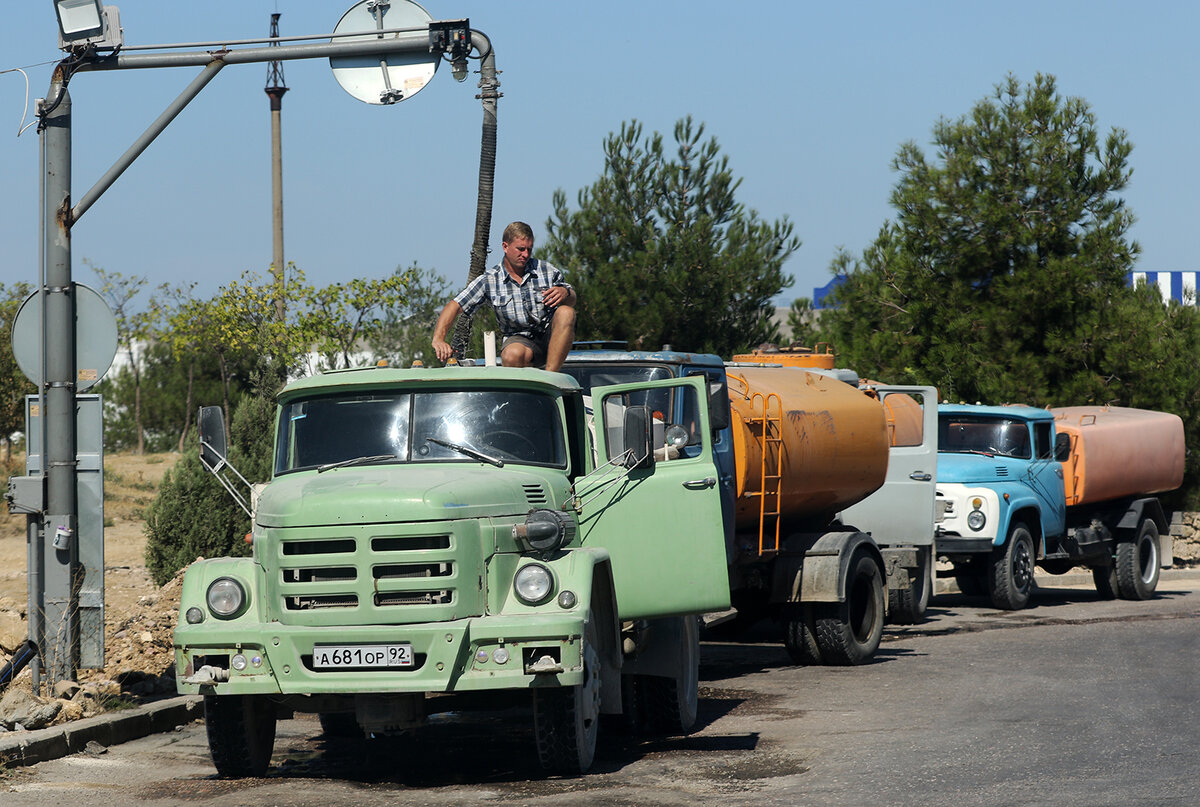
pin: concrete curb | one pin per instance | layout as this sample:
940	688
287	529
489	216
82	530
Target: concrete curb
31	747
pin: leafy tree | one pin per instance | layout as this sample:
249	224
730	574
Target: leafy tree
803	322
660	250
134	331
14	386
1009	251
343	316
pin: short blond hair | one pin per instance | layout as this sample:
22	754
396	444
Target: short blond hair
518	229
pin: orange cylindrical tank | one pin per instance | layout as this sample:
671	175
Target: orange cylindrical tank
789	357
832	443
1117	451
905	417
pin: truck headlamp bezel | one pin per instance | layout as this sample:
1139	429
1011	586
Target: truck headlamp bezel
226	598
976	520
533	584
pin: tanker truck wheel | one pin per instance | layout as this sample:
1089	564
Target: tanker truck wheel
1011	580
566	720
241	734
669	705
907	606
1105	578
1137	564
848	632
800	636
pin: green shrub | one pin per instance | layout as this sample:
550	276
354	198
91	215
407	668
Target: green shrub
193	516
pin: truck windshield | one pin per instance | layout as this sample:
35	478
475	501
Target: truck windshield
659	400
503	426
971	434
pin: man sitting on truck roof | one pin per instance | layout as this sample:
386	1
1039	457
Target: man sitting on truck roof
534	305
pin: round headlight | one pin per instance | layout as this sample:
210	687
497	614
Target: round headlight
533	583
226	597
976	519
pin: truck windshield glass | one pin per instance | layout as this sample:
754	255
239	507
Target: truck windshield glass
659	400
995	436
507	425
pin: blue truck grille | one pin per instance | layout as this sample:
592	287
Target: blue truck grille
375	574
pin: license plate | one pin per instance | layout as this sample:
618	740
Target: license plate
356	656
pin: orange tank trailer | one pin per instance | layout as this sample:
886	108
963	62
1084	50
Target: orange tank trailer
1118	451
833	441
820	359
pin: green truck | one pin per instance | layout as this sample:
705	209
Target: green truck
430	534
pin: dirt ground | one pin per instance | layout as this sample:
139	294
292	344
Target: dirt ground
139	616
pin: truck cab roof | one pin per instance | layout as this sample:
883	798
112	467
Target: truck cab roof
1013	411
605	353
373	377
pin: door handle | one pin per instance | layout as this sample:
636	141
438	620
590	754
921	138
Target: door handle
920	476
701	484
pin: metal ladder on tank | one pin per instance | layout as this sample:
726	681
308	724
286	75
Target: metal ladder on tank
768	429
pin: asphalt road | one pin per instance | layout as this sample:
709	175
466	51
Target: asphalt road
1074	702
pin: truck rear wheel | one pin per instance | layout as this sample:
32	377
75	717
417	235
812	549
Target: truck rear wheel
848	632
241	734
670	705
906	606
1105	578
800	636
1137	563
566	720
1011	580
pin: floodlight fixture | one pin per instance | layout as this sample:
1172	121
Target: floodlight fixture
452	39
88	23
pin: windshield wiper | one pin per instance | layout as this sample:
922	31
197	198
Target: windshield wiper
470	452
356	461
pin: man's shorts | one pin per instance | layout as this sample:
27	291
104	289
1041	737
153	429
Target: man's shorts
540	346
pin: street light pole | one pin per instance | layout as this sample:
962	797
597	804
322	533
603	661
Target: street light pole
59	635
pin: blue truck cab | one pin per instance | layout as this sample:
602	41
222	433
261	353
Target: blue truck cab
1001	511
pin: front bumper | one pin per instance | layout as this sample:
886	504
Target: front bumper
454	656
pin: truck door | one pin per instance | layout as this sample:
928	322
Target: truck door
901	512
660	524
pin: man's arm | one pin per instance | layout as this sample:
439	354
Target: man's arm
445	320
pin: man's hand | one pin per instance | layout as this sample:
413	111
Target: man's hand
555	296
442	349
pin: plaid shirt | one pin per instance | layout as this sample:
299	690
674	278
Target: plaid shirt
519	308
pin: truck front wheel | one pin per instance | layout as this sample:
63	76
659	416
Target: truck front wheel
670	704
241	733
1137	563
566	720
848	632
1011	580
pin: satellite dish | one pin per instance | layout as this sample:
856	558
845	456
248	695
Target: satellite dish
383	79
95	337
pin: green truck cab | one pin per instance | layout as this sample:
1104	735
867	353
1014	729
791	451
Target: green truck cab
433	532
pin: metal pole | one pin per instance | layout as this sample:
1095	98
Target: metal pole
59	550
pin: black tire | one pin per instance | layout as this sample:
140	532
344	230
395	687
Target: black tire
1011	580
1137	563
800	636
971	578
1105	579
907	606
848	632
566	720
340	725
241	734
670	705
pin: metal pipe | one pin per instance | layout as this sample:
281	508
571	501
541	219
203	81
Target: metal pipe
148	137
58	545
411	42
489	94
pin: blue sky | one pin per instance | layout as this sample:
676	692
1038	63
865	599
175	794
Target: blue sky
809	102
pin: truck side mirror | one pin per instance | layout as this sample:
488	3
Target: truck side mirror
718	405
213	445
1062	447
637	428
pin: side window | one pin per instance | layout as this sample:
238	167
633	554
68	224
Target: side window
1043	446
673	437
905	418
